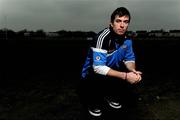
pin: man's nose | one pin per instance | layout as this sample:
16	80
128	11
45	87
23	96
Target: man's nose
121	24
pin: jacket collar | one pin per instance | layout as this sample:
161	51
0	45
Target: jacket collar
118	38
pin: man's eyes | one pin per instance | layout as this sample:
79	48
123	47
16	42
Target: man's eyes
118	21
125	21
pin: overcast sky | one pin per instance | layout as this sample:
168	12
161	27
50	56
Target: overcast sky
87	15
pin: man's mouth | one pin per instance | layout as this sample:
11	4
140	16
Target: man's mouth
121	31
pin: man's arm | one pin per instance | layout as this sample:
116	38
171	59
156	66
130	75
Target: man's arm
99	66
131	66
131	77
117	74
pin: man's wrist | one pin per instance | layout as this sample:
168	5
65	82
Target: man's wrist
125	76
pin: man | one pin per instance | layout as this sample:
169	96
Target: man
104	79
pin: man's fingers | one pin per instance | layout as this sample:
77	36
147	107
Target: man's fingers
138	72
134	78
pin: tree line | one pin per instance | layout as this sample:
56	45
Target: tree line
7	33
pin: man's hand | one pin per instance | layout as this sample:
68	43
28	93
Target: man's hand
137	72
133	77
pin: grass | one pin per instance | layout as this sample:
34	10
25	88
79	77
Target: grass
55	100
38	90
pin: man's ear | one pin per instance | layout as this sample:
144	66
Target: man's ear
111	24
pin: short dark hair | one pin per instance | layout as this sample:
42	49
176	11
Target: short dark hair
121	11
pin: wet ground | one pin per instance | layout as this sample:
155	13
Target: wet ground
39	81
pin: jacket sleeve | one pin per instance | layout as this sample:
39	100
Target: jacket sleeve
99	61
99	50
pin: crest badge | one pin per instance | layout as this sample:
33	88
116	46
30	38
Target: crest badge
98	58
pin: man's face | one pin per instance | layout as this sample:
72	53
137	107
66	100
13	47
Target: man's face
120	24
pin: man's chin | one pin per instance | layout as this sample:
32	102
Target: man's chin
120	33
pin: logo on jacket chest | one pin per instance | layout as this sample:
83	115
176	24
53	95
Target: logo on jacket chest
123	46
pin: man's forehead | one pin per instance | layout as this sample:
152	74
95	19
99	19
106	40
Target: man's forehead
125	17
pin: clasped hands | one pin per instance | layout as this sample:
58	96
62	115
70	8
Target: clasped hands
134	77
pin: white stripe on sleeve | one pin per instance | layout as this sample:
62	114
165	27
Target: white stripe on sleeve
103	70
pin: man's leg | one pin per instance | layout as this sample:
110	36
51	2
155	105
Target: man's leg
91	96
